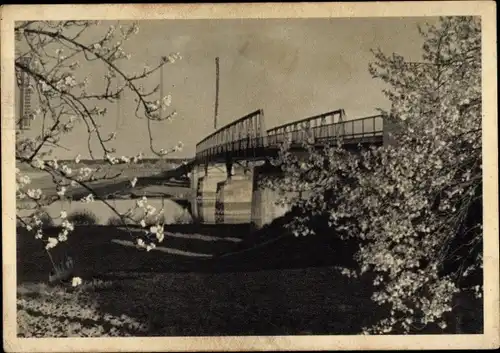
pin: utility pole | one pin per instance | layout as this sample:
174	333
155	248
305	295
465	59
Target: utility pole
216	113
161	92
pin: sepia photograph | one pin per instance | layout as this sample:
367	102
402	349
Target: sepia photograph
208	172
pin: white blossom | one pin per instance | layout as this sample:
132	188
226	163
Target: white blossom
179	146
61	191
167	100
38	163
34	193
52	242
76	281
88	199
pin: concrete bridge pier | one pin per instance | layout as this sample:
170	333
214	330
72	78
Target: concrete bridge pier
234	197
206	192
264	199
194	177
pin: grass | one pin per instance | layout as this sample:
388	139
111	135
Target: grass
60	311
270	302
274	302
263	283
94	252
267	290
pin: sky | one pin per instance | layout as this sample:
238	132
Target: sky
290	68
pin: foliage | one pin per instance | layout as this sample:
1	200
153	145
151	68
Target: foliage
183	218
55	58
151	220
413	205
115	221
84	217
46	220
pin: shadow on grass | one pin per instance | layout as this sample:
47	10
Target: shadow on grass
269	283
273	302
94	252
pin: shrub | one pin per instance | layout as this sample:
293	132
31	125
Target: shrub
47	221
183	218
114	221
84	217
155	219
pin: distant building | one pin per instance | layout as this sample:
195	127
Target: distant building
23	93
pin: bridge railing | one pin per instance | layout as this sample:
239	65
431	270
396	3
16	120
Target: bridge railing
244	138
294	130
363	127
245	147
232	136
371	126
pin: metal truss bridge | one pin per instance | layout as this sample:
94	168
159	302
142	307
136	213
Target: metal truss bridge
247	139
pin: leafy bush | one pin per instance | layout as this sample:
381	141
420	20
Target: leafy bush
183	218
47	221
149	220
154	219
82	218
114	221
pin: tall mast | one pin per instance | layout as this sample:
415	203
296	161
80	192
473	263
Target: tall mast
161	91
216	113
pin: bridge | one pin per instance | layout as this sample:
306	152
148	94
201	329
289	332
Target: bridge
246	139
230	162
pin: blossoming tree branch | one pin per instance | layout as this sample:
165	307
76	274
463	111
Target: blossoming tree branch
414	206
50	54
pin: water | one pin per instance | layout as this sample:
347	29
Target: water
173	211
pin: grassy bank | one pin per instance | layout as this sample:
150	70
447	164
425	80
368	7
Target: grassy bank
250	286
263	283
274	302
